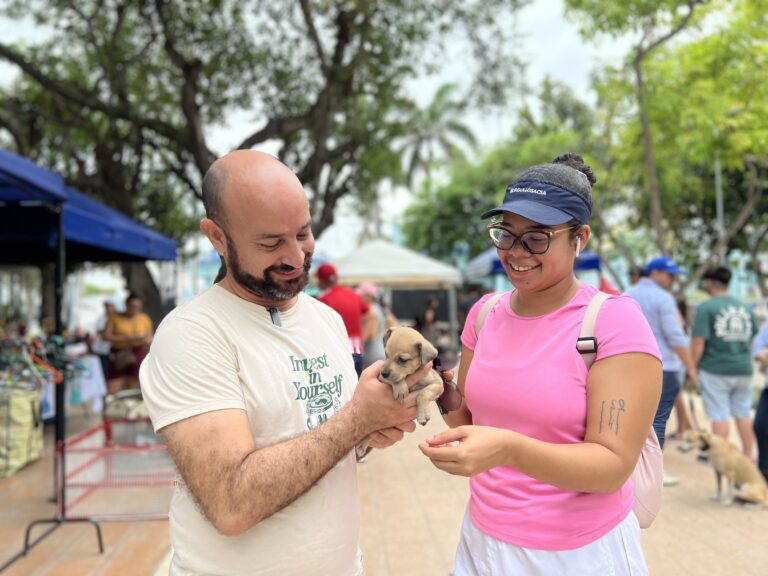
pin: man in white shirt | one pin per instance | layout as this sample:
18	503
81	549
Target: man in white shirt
253	387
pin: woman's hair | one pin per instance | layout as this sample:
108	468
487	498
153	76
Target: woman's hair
576	161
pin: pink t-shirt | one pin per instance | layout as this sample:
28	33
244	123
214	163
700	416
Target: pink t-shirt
527	376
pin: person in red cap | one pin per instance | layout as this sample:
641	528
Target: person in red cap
353	309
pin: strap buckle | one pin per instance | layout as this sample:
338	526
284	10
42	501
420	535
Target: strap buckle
586	345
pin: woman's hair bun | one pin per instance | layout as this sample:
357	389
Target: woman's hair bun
577	162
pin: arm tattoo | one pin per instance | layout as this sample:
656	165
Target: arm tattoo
614	415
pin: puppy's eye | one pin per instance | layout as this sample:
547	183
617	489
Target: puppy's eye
401	360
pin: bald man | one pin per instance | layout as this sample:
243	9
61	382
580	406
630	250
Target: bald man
252	386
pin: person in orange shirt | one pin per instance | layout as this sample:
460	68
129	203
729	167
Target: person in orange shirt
130	333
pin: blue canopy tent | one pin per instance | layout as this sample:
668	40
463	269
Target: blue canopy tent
42	221
587	261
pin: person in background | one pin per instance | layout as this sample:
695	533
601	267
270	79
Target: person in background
426	321
760	353
252	387
635	273
660	309
353	309
682	417
130	334
100	345
375	327
471	295
548	444
723	329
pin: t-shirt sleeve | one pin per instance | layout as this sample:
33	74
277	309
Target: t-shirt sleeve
191	369
621	328
468	335
701	322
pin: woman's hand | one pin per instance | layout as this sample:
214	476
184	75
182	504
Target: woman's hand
468	450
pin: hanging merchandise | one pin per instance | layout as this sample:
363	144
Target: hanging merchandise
21	425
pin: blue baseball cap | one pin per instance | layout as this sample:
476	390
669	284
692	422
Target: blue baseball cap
665	264
548	194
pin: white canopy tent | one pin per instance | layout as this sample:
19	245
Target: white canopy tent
398	268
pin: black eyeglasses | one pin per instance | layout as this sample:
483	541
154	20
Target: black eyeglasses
534	241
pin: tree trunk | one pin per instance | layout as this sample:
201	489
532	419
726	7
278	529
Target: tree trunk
140	282
754	253
654	197
47	291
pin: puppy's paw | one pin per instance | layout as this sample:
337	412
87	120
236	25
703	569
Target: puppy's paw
423	418
400	390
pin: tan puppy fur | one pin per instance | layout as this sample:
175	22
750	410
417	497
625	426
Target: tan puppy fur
743	480
407	351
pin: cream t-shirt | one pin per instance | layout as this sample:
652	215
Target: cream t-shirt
218	352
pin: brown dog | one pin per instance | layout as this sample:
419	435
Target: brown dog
407	351
743	480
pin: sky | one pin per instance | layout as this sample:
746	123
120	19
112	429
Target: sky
549	43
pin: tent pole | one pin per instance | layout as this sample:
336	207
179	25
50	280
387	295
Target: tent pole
60	420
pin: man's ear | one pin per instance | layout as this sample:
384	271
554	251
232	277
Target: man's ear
215	235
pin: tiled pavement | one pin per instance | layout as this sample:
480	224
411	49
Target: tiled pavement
411	514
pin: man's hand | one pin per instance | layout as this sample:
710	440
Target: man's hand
691	381
389	436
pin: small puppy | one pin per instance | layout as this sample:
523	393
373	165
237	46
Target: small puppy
743	480
407	351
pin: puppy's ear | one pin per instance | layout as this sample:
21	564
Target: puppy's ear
426	351
387	334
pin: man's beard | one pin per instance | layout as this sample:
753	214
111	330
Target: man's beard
268	287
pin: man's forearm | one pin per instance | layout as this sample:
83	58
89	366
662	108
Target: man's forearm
687	359
273	477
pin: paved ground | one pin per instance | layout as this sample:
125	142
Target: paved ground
411	514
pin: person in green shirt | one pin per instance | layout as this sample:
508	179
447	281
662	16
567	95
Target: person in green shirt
723	329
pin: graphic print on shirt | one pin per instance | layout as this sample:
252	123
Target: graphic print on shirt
321	396
733	324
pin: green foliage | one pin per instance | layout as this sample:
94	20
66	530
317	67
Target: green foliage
705	98
617	18
122	96
445	221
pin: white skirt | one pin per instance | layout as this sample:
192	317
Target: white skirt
618	553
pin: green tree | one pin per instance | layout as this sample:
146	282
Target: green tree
656	22
122	95
442	220
436	133
705	100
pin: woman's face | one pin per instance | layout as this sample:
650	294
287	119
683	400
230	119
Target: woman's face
535	272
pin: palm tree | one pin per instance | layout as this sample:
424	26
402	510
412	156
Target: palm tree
432	132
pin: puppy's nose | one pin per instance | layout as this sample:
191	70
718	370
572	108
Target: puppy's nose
385	373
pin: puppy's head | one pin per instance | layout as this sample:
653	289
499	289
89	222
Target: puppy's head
704	440
406	351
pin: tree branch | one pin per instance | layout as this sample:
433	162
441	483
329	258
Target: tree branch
755	189
190	70
306	12
75	96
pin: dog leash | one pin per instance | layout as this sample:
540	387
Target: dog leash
692	408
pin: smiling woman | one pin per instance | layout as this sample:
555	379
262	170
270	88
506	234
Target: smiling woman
549	471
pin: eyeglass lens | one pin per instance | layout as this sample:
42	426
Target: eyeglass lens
534	242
